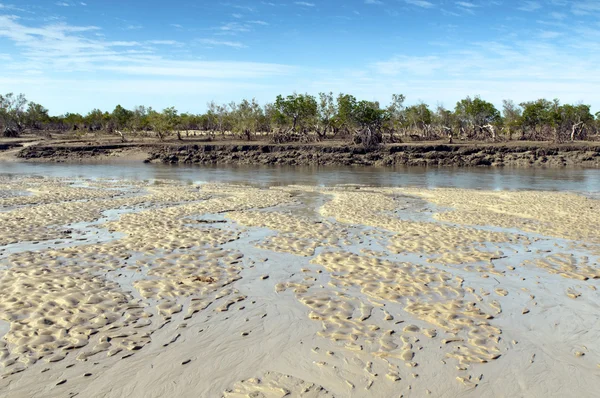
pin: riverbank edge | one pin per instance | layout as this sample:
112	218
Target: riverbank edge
325	154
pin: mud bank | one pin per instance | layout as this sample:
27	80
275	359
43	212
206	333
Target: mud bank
393	155
81	152
8	146
462	155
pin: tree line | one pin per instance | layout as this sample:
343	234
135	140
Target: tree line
305	118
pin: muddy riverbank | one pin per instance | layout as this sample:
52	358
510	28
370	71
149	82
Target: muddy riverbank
516	154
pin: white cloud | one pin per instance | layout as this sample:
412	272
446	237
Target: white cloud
69	4
201	69
377	2
466	4
233	28
123	44
304	4
217	43
420	3
530	61
547	34
189	95
165	43
257	22
530	6
585	7
10	7
64	48
413	65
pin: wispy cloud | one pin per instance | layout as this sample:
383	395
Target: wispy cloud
217	43
70	4
530	6
420	3
585	7
466	4
304	4
414	65
233	28
376	2
10	7
201	69
547	34
496	61
65	48
165	43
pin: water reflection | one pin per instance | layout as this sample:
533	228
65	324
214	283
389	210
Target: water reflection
583	180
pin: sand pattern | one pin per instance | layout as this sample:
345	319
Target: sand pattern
295	234
276	385
56	307
563	215
110	285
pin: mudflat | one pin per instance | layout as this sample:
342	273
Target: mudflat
204	151
112	288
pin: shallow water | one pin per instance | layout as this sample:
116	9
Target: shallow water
565	179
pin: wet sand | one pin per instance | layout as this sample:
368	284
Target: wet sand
112	288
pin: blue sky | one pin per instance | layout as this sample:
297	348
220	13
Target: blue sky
77	55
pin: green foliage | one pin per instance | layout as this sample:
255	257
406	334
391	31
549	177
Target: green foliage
158	123
326	113
245	117
476	112
444	117
537	114
36	116
121	117
96	120
397	111
12	114
73	121
303	116
344	119
296	111
418	116
139	120
367	114
370	119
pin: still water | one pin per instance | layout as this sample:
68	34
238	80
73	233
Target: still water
566	179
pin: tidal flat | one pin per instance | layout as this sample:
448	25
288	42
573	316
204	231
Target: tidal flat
118	287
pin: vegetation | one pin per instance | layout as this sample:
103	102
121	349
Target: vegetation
304	118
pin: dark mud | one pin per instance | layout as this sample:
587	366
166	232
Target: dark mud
460	155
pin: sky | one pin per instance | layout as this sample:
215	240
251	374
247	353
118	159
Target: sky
73	56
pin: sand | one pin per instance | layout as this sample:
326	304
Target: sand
157	288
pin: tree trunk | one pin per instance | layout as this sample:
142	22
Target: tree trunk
574	130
